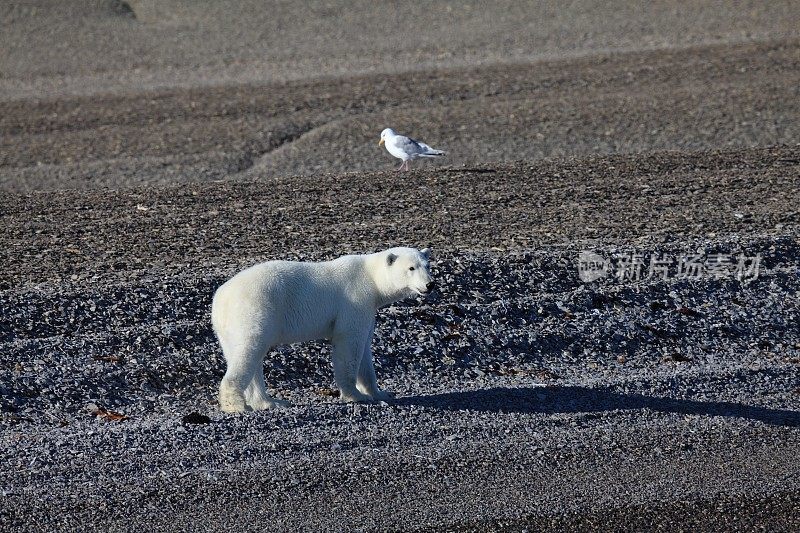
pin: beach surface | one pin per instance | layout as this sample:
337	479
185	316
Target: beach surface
149	150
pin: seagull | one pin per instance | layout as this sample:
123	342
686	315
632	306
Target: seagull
406	148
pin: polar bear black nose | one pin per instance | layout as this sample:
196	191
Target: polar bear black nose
429	287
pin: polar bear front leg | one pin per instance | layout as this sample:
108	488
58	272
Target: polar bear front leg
367	382
256	394
347	353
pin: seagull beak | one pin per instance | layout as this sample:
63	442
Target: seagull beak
380	142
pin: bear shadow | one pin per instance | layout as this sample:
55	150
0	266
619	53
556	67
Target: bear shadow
571	399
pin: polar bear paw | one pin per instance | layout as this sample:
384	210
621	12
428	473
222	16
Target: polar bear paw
383	396
272	403
354	396
231	400
363	397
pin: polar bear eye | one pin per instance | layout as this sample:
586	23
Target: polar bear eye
411	268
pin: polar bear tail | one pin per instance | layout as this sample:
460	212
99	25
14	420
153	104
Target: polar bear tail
217	317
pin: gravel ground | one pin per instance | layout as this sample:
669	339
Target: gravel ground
538	396
707	97
526	397
145	159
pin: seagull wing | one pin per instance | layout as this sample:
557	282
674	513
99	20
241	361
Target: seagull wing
411	149
409	145
427	151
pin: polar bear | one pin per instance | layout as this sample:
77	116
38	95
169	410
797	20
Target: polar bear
282	302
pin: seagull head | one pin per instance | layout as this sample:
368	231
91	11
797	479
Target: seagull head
388	132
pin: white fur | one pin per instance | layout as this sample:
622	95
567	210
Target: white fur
281	302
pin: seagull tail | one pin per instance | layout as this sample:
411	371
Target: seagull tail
433	153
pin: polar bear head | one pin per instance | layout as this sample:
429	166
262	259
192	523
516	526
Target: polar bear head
403	272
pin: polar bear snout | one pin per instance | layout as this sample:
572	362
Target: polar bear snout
429	286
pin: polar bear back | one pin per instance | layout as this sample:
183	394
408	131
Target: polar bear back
294	301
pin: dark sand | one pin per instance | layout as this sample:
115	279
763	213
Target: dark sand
149	149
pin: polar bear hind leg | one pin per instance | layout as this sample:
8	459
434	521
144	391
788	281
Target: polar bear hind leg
231	397
256	394
243	388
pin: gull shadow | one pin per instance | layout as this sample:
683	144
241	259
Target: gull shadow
556	399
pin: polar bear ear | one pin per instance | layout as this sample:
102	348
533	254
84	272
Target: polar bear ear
426	253
390	259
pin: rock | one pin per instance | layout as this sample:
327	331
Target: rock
196	418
